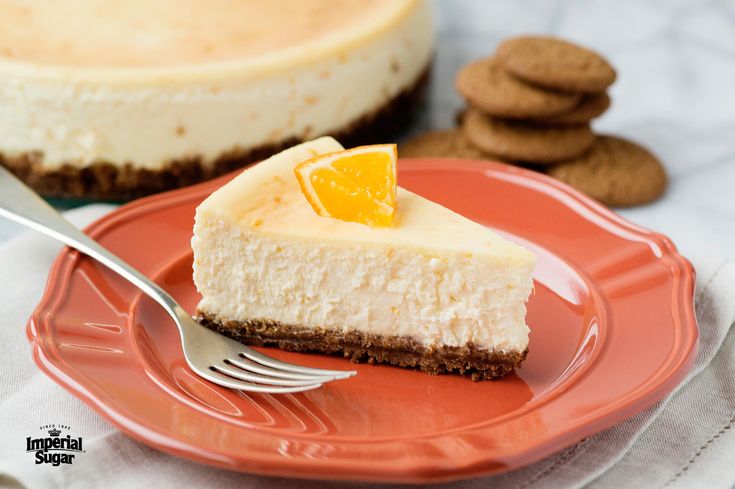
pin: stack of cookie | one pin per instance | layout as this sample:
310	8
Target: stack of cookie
532	103
534	99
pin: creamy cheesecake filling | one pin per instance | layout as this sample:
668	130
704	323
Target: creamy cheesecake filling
439	298
148	117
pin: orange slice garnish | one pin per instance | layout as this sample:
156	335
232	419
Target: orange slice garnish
357	185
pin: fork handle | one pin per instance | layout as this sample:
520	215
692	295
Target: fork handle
22	205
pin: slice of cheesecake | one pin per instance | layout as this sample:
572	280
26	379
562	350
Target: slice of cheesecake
434	290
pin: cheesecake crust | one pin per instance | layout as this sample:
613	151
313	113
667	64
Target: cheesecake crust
469	360
107	181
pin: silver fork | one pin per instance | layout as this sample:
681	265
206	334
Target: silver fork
211	355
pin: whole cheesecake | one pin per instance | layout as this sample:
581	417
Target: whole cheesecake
434	291
114	100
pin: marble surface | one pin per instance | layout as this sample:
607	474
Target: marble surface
674	93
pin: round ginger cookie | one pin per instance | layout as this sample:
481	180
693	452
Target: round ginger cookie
591	106
555	64
526	142
485	85
448	143
616	172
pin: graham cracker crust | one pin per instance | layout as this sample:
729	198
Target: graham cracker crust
106	181
469	360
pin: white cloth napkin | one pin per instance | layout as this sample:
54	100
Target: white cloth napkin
686	440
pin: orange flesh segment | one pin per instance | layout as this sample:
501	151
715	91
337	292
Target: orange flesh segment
357	185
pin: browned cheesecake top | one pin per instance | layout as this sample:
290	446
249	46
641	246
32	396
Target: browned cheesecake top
142	33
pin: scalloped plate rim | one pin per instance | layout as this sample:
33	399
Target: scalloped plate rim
667	376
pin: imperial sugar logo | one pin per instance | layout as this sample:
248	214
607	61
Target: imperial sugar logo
54	447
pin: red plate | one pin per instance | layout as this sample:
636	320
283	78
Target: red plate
612	331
